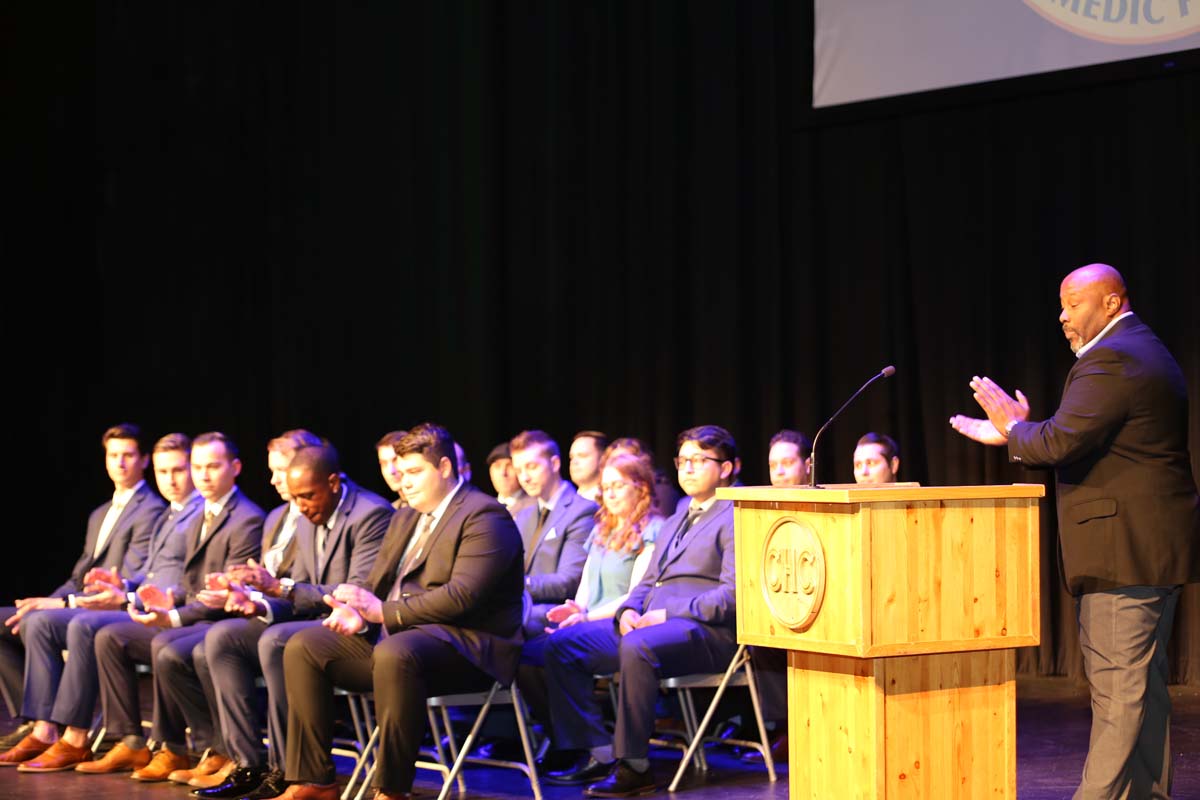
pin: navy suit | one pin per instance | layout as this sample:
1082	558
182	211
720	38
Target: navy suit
66	693
554	557
124	549
1129	535
235	536
234	651
693	582
454	626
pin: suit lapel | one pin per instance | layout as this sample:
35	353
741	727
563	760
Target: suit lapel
125	512
556	514
195	545
332	537
388	561
672	552
448	519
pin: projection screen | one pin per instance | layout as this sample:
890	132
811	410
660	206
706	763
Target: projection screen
869	49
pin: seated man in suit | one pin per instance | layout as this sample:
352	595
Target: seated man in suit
59	693
118	536
789	457
504	481
554	531
339	545
584	456
876	459
385	448
228	531
278	549
447	591
679	619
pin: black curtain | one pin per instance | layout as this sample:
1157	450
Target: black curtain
617	215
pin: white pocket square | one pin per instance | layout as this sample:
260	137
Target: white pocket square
553	532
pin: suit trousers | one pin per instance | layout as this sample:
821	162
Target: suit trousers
233	652
575	655
181	700
403	670
12	665
58	691
1123	634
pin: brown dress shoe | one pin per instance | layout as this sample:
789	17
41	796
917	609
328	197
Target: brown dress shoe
163	764
119	759
27	749
215	778
207	766
59	757
380	794
310	791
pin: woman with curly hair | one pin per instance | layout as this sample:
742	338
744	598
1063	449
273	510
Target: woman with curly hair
620	546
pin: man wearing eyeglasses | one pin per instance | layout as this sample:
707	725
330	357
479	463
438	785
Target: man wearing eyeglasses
679	619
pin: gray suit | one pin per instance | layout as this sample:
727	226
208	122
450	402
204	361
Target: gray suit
234	651
124	549
554	556
693	582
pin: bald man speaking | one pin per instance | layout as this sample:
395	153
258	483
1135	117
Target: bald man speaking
1128	518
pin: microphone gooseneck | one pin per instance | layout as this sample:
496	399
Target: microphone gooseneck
886	372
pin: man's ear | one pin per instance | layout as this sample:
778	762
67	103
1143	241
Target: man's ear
335	482
556	465
895	465
446	468
726	470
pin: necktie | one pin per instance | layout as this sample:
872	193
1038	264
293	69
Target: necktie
209	516
543	514
415	549
110	521
677	542
322	531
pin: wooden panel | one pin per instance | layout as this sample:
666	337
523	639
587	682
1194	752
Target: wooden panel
952	575
835	728
950	723
851	493
842	625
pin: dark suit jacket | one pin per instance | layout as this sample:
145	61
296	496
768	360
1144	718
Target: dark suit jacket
1128	512
554	562
271	528
695	580
350	551
127	542
466	586
236	536
168	546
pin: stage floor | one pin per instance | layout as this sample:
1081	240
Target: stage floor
1052	731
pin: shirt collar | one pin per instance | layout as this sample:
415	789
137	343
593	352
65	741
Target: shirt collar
1079	353
549	504
700	508
329	523
217	506
177	507
436	514
121	496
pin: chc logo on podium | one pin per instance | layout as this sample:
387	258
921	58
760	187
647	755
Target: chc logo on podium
793	573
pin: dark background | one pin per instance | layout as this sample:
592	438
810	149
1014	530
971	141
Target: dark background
618	215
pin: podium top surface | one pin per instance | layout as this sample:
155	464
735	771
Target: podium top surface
893	493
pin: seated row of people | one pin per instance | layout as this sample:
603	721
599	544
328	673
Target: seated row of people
340	587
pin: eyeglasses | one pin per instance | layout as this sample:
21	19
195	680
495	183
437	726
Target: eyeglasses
615	486
696	461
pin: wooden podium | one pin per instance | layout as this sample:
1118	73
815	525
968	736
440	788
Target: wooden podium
900	608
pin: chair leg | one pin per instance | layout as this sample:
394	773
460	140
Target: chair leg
734	663
468	743
454	751
523	728
361	764
752	683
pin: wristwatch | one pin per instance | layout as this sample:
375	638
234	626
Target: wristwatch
286	586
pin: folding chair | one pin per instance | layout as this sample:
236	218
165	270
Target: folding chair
740	672
452	773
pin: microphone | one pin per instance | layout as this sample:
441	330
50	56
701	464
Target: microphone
886	372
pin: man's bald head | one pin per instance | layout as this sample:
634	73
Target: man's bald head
314	482
1091	297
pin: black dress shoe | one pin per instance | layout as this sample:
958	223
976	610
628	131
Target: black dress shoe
10	740
241	781
272	785
559	760
623	781
585	770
